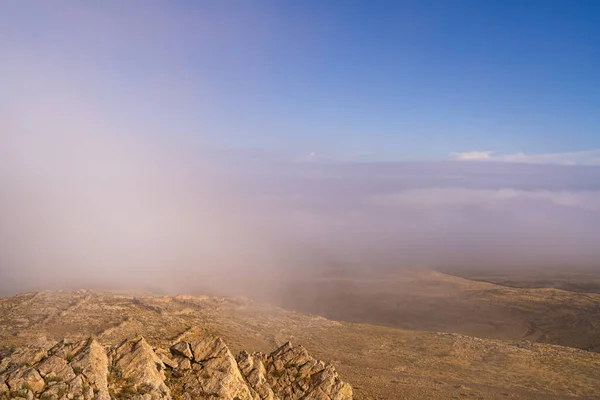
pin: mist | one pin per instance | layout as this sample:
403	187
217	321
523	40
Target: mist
84	207
111	176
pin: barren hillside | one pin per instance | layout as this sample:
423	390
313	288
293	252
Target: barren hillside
378	362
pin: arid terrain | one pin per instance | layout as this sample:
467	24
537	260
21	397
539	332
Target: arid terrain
585	280
435	301
421	335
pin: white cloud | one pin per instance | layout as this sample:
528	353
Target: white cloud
584	157
472	155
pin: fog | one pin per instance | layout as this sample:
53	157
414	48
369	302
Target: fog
108	185
85	207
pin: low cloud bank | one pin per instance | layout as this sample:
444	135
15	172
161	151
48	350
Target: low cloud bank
91	199
583	157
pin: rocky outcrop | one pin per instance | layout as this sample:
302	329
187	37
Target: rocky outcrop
137	369
65	371
290	373
208	369
254	370
202	369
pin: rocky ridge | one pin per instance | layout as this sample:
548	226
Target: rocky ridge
200	369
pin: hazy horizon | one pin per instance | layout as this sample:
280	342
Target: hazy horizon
135	215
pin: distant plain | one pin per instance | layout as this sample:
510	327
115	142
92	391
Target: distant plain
550	306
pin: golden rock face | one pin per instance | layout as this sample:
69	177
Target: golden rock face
135	370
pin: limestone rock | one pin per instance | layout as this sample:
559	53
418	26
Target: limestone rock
294	374
254	371
66	371
214	372
182	349
140	370
56	369
166	358
26	379
23	356
202	369
92	363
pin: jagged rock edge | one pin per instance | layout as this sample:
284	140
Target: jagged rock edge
20	377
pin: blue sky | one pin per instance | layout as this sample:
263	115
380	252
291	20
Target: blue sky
350	80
